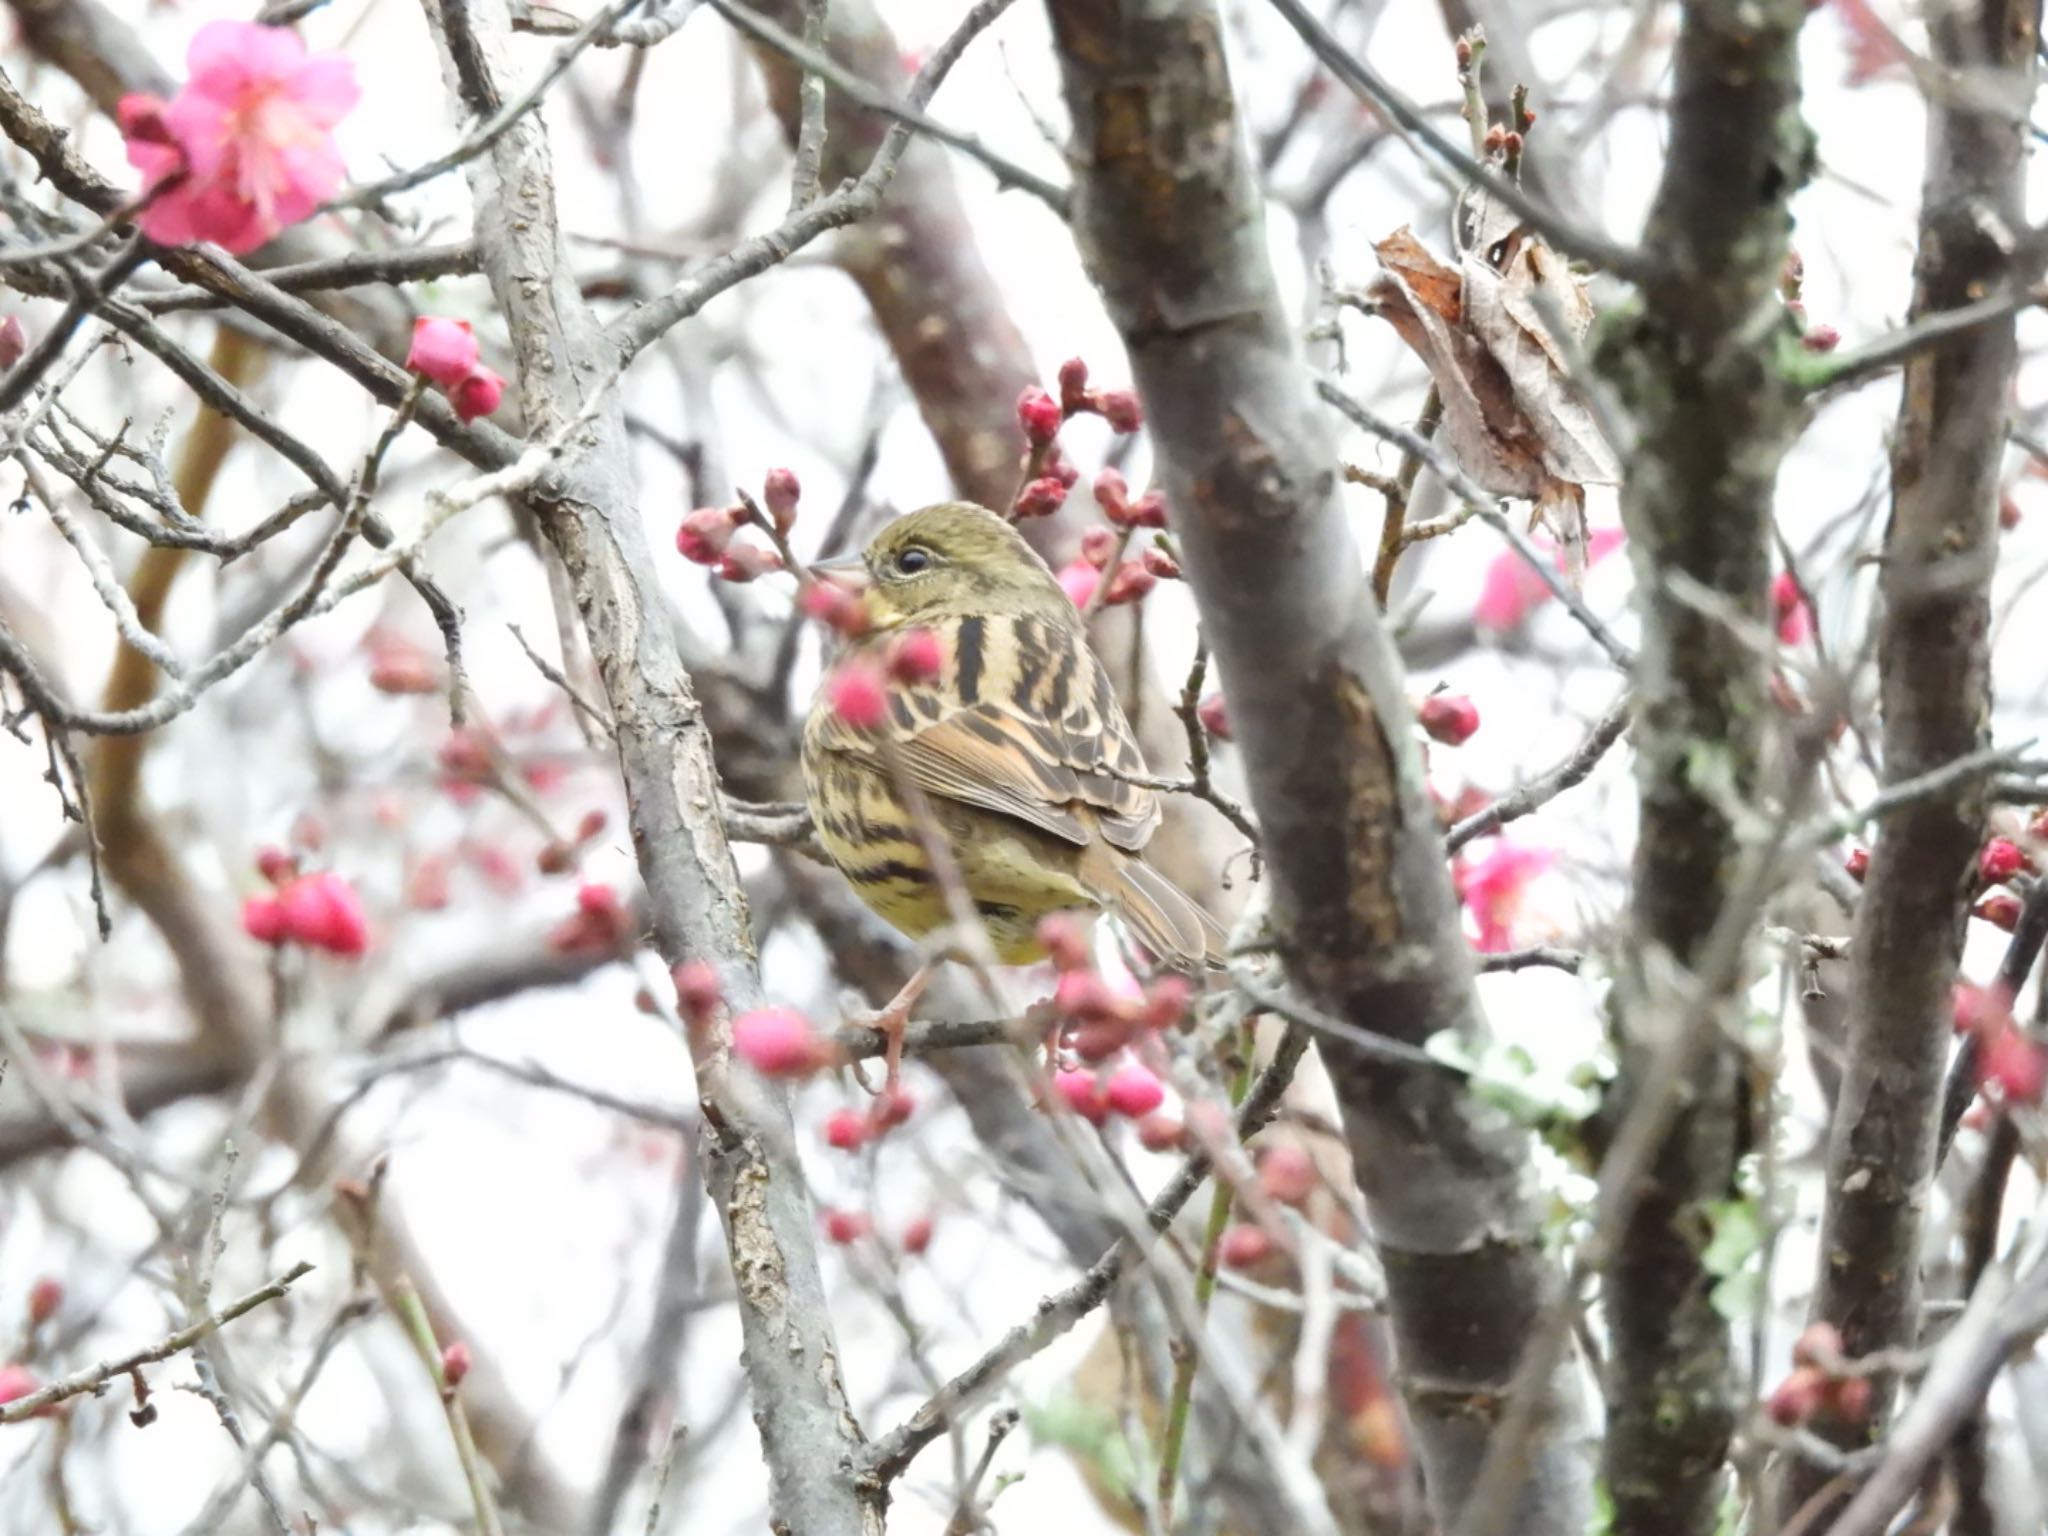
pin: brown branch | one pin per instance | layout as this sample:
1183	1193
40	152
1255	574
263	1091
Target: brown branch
1170	225
1934	682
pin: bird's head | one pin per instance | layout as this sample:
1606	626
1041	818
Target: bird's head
954	559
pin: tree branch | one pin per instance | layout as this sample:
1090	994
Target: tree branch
1171	227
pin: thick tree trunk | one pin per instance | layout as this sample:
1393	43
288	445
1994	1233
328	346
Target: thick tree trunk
1170	222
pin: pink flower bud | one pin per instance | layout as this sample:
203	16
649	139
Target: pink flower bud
1450	718
1820	1345
275	865
1849	1399
1098	547
442	349
1073	385
455	1363
2008	509
596	899
1120	409
1161	564
1039	415
1969	1007
1064	937
778	494
1130	584
2000	911
1822	338
1243	1245
2013	1066
698	992
322	911
777	1042
1084	997
17	1382
837	608
1061	468
846	1129
1794	614
846	1227
1113	495
591	824
477	393
1161	1133
1166	1001
1798	1397
44	1298
1078	579
1134	1092
263	919
1215	716
1999	860
13	342
404	670
1083	1095
858	694
1857	863
1041	498
1095	1043
744	562
1287	1174
705	533
917	1235
1149	510
892	1107
916	657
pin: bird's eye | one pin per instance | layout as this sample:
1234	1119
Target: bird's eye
912	561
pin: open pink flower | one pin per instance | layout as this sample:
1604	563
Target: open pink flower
1512	591
1491	888
247	147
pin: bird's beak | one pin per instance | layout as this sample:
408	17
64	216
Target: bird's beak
848	571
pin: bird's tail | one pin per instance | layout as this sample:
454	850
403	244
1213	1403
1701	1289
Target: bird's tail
1166	920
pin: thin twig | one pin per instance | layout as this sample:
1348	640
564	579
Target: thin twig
94	1378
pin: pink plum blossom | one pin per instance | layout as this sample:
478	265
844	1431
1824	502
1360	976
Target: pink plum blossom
1491	888
247	147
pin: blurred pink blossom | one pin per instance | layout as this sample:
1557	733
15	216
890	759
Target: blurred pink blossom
1512	591
247	147
1491	888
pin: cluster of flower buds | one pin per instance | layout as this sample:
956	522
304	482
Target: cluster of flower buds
1503	143
318	911
706	536
1129	582
601	924
843	1228
1118	407
848	1130
1098	1023
2012	1066
445	352
1821	1384
1045	492
1113	495
2000	861
1450	718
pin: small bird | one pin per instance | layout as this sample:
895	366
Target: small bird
1014	741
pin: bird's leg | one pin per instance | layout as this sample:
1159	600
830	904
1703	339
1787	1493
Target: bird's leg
894	1017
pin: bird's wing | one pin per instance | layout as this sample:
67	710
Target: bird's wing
1021	721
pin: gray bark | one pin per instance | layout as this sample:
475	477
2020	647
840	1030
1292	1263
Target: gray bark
1170	222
